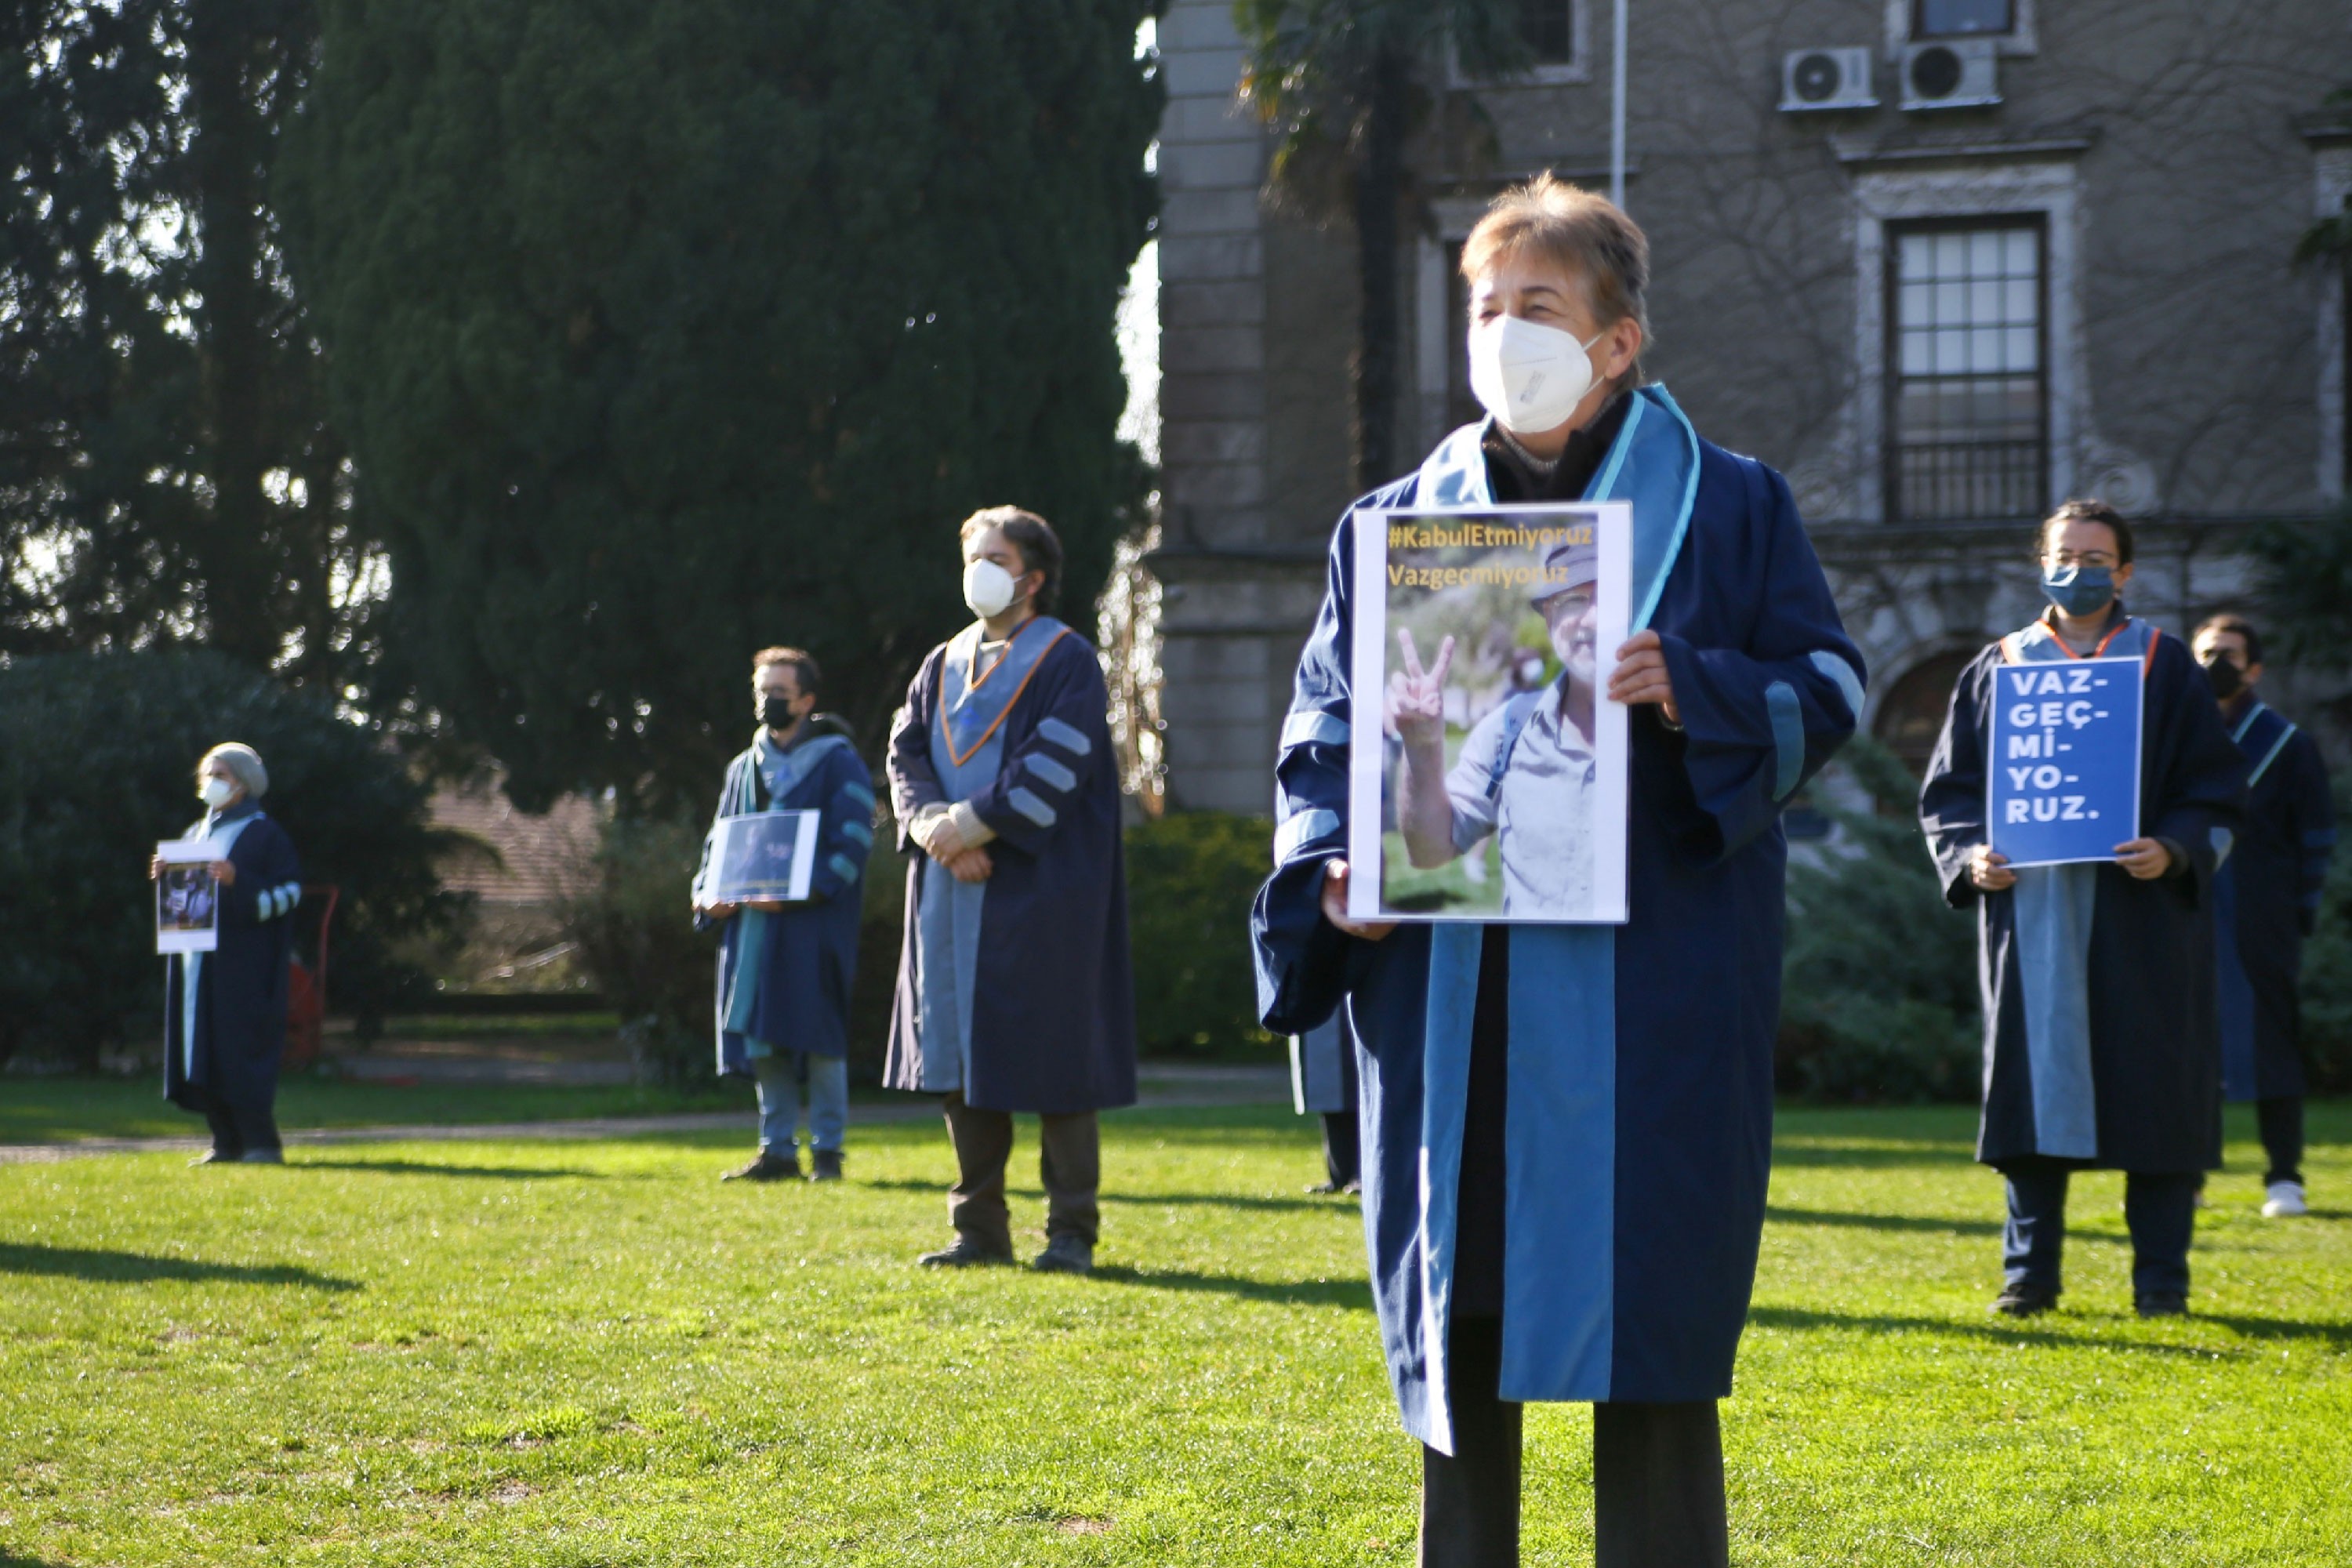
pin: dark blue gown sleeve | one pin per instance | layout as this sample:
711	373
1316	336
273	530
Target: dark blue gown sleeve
1057	762
2314	827
726	792
1952	798
844	824
2193	780
1759	720
1305	963
269	877
907	765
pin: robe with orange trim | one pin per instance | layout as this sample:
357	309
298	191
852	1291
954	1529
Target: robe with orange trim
1015	990
2101	1045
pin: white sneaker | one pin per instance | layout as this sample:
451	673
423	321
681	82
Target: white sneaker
2286	1200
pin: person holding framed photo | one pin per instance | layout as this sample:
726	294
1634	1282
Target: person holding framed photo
1566	1128
786	967
224	1010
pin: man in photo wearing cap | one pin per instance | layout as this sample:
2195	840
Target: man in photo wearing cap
1526	770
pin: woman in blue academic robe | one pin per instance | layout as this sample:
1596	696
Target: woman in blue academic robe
1015	992
2265	902
2100	1048
1568	1128
787	968
224	1011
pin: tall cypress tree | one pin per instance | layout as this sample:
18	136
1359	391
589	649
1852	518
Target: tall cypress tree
666	329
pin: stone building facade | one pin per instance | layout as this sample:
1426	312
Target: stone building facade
1942	262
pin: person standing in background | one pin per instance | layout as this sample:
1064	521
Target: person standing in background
2265	901
224	1011
785	970
2098	976
1015	992
1323	1083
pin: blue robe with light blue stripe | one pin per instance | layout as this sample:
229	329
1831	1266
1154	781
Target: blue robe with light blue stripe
1016	992
224	1011
785	976
2264	903
2100	1041
1639	1119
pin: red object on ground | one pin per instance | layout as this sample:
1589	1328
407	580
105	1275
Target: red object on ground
306	991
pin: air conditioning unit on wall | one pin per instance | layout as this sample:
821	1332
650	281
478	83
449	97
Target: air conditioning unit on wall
1954	73
1825	79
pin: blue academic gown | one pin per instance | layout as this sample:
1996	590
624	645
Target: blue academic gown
1639	1119
1017	991
224	1049
2100	1040
2265	901
785	976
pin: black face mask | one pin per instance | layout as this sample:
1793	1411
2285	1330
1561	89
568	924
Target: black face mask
776	713
2227	678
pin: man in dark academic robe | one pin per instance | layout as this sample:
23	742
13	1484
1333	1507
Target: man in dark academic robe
1567	1127
2100	1049
787	968
1015	992
2265	901
224	1011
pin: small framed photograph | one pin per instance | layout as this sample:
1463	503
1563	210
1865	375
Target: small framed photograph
187	896
765	855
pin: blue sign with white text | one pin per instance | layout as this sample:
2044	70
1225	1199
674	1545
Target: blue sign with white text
2065	759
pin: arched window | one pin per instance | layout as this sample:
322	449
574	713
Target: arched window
1911	714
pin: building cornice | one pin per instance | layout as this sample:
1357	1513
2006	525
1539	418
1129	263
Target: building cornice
2324	128
1915	147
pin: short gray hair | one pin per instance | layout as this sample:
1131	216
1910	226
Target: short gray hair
243	764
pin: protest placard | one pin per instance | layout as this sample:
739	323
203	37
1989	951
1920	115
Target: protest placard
1488	774
187	896
2065	769
767	855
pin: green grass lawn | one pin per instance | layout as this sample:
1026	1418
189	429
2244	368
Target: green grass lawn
591	1353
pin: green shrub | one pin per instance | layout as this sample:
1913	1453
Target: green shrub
638	941
1189	879
97	755
1879	980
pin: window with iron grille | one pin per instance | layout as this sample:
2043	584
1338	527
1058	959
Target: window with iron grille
1967	376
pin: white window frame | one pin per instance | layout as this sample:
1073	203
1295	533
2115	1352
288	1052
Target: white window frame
1884	197
2331	171
2018	40
1580	69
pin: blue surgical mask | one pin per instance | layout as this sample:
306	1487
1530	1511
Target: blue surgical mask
2080	591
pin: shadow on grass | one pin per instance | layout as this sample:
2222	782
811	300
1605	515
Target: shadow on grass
2335	1336
101	1267
1869	1158
1142	1200
11	1559
1774	1212
428	1168
1799	1318
1355	1294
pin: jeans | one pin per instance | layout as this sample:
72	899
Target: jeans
2160	1210
780	1077
1069	1163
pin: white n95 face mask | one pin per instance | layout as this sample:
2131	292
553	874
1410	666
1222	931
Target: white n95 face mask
987	588
1529	377
216	792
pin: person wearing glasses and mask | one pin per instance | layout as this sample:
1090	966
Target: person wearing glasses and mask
1014	987
224	1011
786	969
1566	1129
2100	1048
2266	901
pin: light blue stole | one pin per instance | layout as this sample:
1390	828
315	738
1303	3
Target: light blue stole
781	772
967	750
1561	1132
2051	907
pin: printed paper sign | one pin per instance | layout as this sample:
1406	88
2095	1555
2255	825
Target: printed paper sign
763	856
187	897
2065	767
1487	777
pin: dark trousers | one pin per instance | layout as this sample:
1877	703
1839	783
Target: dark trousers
1657	1475
2160	1210
1069	1162
2281	1120
236	1129
1342	1157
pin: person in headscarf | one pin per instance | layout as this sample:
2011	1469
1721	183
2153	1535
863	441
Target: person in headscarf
224	1011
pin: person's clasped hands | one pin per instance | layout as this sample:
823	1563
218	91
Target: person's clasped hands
937	833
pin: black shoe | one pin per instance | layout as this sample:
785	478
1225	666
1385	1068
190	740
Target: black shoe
2162	1304
2023	1301
270	1156
218	1157
768	1167
964	1253
1065	1254
825	1164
